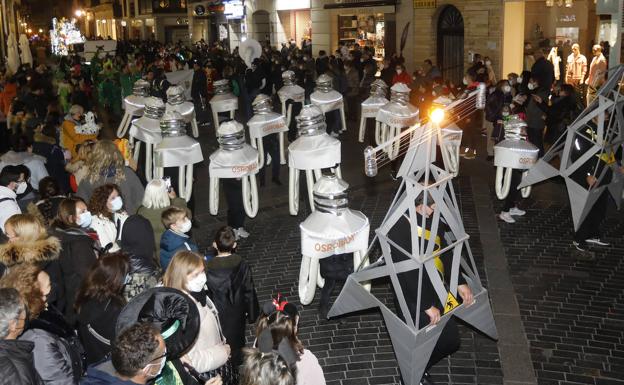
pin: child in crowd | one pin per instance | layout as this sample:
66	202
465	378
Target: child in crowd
177	224
230	286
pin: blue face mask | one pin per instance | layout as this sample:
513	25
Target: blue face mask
84	219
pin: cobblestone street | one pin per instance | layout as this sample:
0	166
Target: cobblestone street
571	310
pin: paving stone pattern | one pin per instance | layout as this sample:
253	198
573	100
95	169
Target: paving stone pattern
572	310
355	349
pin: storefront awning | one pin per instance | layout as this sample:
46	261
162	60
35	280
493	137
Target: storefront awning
359	3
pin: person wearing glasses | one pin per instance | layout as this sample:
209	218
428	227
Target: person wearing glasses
138	355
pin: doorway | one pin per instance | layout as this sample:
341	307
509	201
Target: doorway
451	44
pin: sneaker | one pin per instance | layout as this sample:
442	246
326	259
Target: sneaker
506	217
470	154
241	232
517	212
334	134
597	241
579	246
464	153
268	160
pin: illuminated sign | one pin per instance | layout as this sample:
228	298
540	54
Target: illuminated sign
234	9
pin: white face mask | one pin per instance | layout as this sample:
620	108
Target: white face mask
506	89
197	284
519	80
531	86
84	219
186	226
488	63
162	365
399	71
21	188
465	81
116	204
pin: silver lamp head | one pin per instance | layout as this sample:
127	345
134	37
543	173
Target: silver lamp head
231	135
330	194
323	83
370	162
379	88
311	121
399	93
222	87
154	108
262	104
515	128
172	124
140	88
288	77
175	95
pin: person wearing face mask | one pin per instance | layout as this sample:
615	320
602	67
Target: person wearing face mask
210	353
70	135
57	351
12	183
78	248
493	113
138	355
177	223
563	111
108	216
536	113
401	75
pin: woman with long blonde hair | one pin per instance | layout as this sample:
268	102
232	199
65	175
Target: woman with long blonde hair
209	355
106	165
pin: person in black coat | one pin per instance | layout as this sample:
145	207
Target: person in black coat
563	111
78	249
98	304
231	288
431	309
16	357
542	70
199	86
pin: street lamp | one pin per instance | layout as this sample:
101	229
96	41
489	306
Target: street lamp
79	13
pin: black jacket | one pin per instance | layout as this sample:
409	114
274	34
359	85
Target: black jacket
230	286
401	235
96	325
544	72
16	363
137	240
76	257
199	86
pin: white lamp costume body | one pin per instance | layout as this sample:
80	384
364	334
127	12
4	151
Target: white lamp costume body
450	137
328	99
290	91
395	115
133	105
223	100
177	150
331	229
146	129
266	122
176	101
513	153
370	107
313	150
235	159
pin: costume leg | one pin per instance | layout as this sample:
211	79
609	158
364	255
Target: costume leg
447	344
233	191
512	197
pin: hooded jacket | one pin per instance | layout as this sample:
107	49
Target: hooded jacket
75	259
16	363
231	288
45	253
57	353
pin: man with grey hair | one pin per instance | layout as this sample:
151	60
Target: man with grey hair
16	357
576	68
